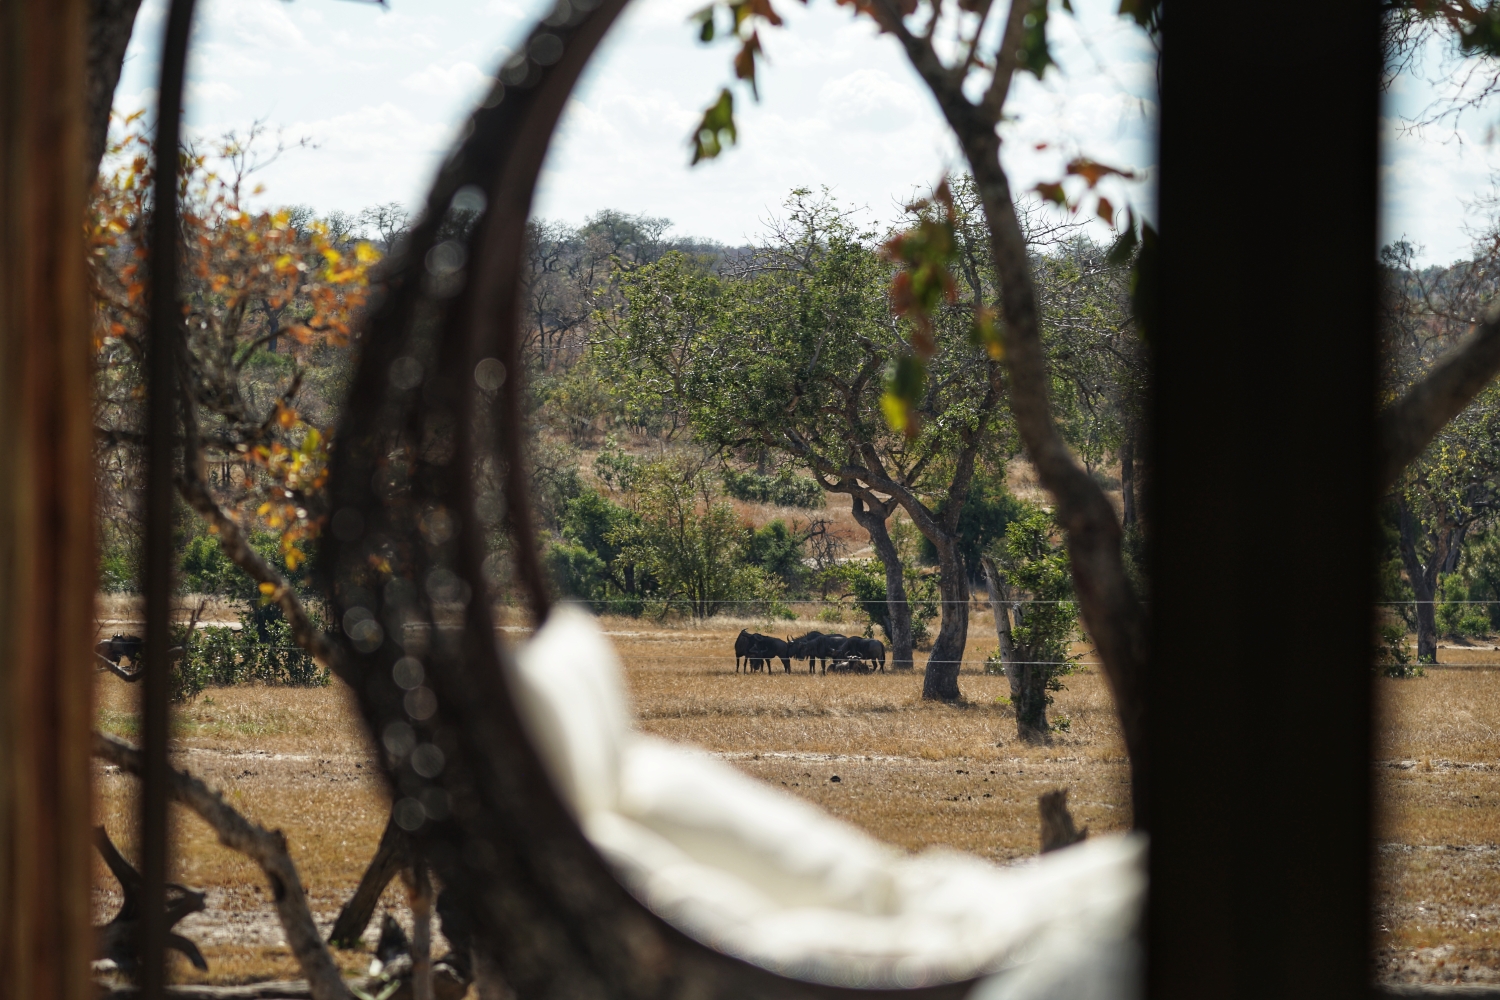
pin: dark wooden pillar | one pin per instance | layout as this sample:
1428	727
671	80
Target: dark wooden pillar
47	574
1261	586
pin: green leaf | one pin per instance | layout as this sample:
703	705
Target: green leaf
716	130
905	383
705	19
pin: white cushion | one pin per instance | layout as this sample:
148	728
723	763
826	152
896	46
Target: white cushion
760	874
567	685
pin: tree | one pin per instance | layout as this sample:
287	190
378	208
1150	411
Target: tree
253	437
1035	616
691	544
789	354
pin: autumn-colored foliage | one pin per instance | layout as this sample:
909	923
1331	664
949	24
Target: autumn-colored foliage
263	292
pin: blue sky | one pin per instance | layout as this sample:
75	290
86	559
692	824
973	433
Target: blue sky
379	93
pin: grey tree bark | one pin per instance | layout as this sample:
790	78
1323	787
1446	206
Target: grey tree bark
1424	577
1000	605
873	519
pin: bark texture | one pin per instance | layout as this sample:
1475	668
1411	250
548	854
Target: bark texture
267	848
390	859
47	570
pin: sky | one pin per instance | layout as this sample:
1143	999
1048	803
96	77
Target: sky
379	92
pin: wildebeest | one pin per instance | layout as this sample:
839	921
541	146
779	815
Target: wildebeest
769	647
857	649
815	647
121	647
742	648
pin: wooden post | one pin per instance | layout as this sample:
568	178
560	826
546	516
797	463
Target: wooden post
1262	455
47	572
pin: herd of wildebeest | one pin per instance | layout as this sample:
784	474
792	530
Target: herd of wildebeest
839	653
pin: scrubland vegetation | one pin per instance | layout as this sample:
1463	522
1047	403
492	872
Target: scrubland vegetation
730	436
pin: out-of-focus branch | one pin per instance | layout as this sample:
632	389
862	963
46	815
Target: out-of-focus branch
266	848
193	485
1112	612
1408	425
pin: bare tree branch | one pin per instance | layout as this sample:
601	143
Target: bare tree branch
266	848
1407	426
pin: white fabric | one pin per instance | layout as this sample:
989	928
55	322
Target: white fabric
758	873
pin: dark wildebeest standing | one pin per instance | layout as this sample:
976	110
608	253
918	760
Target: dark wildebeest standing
858	649
816	648
742	648
121	647
769	647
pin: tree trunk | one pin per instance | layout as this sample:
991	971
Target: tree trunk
1423	579
897	607
47	569
941	680
1127	479
998	605
1030	697
419	897
110	25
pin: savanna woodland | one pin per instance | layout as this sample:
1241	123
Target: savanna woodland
864	510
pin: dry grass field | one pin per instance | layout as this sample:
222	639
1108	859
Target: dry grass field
912	773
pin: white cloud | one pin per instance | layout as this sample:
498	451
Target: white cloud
381	91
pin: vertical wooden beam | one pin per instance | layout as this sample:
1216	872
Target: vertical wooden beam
47	572
1263	503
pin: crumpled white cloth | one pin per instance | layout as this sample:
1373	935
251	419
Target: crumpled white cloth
755	872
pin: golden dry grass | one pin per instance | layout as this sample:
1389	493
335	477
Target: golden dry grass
1437	778
913	773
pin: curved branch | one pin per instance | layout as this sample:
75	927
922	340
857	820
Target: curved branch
266	848
1407	426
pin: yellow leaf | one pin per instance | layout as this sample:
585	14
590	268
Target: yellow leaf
265	509
366	254
268	589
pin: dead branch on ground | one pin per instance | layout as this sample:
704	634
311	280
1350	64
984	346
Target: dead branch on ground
266	848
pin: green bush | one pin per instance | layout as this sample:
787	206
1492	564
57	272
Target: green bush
116	571
262	650
1393	657
785	489
1455	618
578	573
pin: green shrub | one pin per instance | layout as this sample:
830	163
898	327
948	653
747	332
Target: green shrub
578	573
785	489
1392	655
1455	617
116	571
262	650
